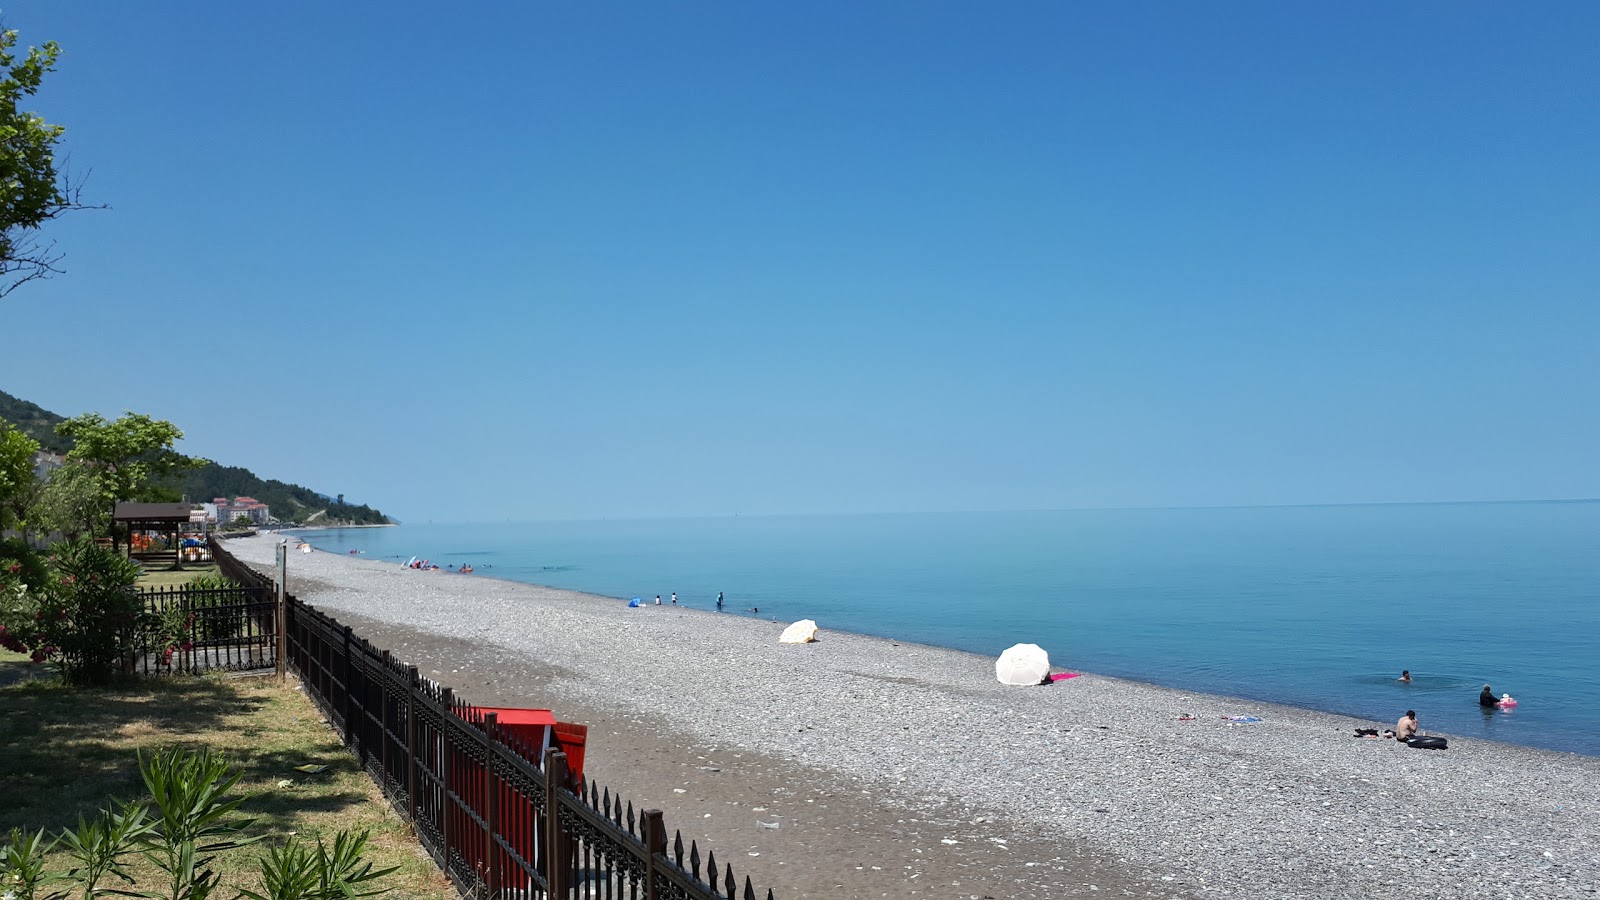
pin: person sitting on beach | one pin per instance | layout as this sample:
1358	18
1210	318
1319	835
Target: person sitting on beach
1406	728
1487	698
1405	676
658	599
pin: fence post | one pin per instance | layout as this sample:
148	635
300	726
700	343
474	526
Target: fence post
447	772
348	677
280	589
491	804
555	849
655	843
383	729
411	744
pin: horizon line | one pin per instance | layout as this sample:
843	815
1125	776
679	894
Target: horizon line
937	512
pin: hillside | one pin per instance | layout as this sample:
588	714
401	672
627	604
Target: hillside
289	502
34	421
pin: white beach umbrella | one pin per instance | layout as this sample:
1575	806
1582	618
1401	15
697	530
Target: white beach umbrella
801	632
1022	664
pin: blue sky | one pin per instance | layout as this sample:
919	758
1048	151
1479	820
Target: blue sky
535	261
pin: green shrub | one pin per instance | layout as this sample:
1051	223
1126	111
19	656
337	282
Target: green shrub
190	818
82	616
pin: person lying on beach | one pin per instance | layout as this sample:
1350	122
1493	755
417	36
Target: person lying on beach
1406	728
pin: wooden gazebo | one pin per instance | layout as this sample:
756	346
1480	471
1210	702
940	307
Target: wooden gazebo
164	518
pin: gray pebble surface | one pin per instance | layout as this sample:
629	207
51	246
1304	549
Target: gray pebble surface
1292	807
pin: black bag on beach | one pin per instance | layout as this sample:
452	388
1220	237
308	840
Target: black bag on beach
1429	743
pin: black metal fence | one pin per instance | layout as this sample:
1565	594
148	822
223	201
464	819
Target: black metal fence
187	631
502	819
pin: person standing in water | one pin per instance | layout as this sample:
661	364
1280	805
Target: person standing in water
1405	676
719	599
674	598
1487	699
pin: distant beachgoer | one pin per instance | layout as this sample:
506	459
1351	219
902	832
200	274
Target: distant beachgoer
719	599
658	599
1406	728
1487	697
754	609
674	598
1405	676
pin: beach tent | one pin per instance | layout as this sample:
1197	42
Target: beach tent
1022	664
634	603
801	632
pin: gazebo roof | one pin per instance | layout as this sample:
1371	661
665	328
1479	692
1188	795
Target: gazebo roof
151	512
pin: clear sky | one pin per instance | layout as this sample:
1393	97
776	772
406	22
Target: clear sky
484	261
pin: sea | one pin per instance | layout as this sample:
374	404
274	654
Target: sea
1319	607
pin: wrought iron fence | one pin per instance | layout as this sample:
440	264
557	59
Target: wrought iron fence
186	631
502	819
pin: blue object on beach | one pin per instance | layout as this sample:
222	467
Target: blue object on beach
634	603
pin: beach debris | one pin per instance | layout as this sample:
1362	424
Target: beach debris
801	632
769	824
1022	664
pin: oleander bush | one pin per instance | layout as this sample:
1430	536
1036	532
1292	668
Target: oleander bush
189	817
82	616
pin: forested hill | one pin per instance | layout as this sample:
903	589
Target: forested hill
288	502
34	421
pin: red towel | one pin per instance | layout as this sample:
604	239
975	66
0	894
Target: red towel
1063	676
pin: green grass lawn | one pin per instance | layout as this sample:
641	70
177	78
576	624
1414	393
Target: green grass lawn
165	577
64	750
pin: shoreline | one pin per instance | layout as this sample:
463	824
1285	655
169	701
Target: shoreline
1154	685
1147	805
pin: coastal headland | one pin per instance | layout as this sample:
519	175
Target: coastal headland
863	767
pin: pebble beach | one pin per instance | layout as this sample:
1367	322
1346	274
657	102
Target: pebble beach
864	767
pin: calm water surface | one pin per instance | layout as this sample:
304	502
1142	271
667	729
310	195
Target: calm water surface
1318	607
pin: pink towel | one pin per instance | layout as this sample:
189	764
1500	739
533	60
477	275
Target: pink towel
1063	676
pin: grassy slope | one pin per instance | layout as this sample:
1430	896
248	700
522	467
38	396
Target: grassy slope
64	750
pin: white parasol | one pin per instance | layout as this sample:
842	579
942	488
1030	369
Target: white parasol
801	632
1022	664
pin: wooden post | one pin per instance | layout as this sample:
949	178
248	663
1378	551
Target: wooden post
411	744
491	805
555	849
280	588
655	842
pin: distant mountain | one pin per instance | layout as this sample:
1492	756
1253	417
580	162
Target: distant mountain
34	421
288	502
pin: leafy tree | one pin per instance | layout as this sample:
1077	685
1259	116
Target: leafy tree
32	189
127	454
242	521
72	502
16	474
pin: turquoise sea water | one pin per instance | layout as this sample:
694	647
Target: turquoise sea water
1318	607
